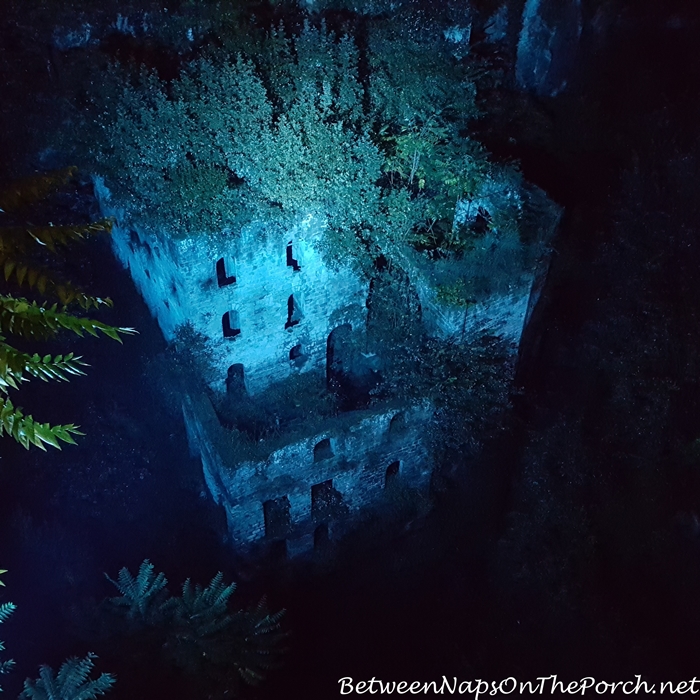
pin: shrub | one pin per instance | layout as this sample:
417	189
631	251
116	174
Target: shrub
373	140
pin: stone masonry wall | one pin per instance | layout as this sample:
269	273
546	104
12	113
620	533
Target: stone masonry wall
284	296
357	458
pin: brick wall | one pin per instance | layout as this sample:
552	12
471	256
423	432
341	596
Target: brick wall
179	282
363	446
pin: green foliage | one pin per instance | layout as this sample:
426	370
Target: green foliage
23	246
38	321
26	431
199	631
72	682
298	128
205	634
144	595
20	248
14	364
6	609
34	189
455	294
204	609
254	640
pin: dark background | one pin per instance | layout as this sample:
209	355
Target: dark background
570	545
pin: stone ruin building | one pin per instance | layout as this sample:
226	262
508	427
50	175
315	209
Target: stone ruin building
275	315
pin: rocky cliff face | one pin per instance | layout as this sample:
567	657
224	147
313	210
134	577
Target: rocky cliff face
548	45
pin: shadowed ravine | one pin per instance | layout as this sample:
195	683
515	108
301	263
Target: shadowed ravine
457	596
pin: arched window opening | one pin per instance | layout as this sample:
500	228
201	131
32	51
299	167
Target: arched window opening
392	474
338	356
294	314
231	324
323	450
398	426
225	274
291	261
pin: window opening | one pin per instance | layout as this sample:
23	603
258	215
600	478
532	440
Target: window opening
278	551
297	356
392	474
326	502
231	324
398	426
235	380
321	538
223	276
294	314
323	450
277	518
291	261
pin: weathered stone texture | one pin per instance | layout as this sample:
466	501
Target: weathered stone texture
178	280
500	315
266	303
548	45
364	444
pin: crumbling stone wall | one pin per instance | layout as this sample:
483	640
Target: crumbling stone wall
354	458
264	298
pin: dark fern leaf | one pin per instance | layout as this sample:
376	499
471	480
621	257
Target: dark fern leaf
72	682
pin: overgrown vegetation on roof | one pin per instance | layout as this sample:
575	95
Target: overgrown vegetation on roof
366	126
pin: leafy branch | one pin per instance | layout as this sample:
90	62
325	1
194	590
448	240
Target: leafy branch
72	682
23	250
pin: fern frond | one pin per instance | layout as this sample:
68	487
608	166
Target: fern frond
36	321
7	666
26	431
256	641
71	683
145	595
6	609
203	611
73	675
215	595
15	364
35	188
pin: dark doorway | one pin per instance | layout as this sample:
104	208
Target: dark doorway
278	521
321	537
326	502
323	450
235	380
